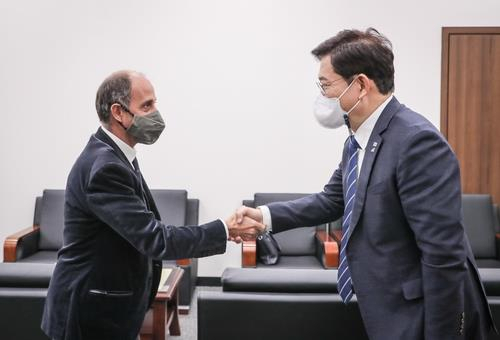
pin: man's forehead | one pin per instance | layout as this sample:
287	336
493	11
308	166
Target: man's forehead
140	86
325	67
139	80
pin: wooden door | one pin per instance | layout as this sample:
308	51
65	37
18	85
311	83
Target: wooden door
470	104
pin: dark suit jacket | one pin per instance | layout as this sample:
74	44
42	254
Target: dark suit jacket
412	269
109	266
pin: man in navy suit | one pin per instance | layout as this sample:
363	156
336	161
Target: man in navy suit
404	253
109	267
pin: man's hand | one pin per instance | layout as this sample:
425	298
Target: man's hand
246	229
254	214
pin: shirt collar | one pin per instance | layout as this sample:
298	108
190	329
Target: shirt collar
127	150
364	131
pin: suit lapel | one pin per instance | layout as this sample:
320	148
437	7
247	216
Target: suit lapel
372	148
148	198
103	137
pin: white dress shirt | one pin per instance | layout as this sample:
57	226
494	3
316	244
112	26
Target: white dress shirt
364	131
131	153
362	135
127	150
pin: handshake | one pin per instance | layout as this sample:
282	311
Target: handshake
245	224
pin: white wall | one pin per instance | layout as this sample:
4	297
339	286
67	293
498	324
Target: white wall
234	79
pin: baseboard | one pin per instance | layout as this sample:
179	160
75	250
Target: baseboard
208	281
184	310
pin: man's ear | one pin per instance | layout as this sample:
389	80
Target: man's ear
116	112
366	85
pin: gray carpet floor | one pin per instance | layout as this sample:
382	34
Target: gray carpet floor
188	323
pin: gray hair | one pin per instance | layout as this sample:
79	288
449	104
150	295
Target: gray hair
114	89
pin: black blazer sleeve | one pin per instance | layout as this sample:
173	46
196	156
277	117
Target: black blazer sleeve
112	197
315	209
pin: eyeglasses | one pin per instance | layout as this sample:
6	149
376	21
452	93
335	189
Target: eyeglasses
324	87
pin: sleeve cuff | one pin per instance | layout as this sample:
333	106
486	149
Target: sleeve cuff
266	217
225	228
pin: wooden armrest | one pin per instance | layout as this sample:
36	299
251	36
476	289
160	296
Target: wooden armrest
337	235
249	254
330	249
183	262
11	242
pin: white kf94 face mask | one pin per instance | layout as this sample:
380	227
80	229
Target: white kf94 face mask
328	111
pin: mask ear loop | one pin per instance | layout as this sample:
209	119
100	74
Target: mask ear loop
125	108
346	115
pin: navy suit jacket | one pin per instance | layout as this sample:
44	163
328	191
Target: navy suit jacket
411	265
109	267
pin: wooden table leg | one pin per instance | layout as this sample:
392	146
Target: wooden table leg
174	328
163	314
159	320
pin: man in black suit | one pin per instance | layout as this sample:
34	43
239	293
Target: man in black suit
109	267
404	253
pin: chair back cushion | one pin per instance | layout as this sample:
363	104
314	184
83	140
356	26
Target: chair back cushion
479	224
51	220
297	241
266	198
172	205
192	211
38	210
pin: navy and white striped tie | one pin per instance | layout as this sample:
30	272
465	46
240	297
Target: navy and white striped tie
344	284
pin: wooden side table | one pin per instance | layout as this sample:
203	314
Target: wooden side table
163	314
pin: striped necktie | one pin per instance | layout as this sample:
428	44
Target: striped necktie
344	283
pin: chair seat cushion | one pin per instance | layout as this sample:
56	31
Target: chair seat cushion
490	277
298	262
30	275
279	280
43	256
487	263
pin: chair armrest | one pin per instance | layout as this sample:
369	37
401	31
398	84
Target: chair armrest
19	241
328	249
249	254
336	234
183	262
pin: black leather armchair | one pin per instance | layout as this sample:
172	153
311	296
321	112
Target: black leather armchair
291	304
294	304
23	289
306	247
480	223
40	242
